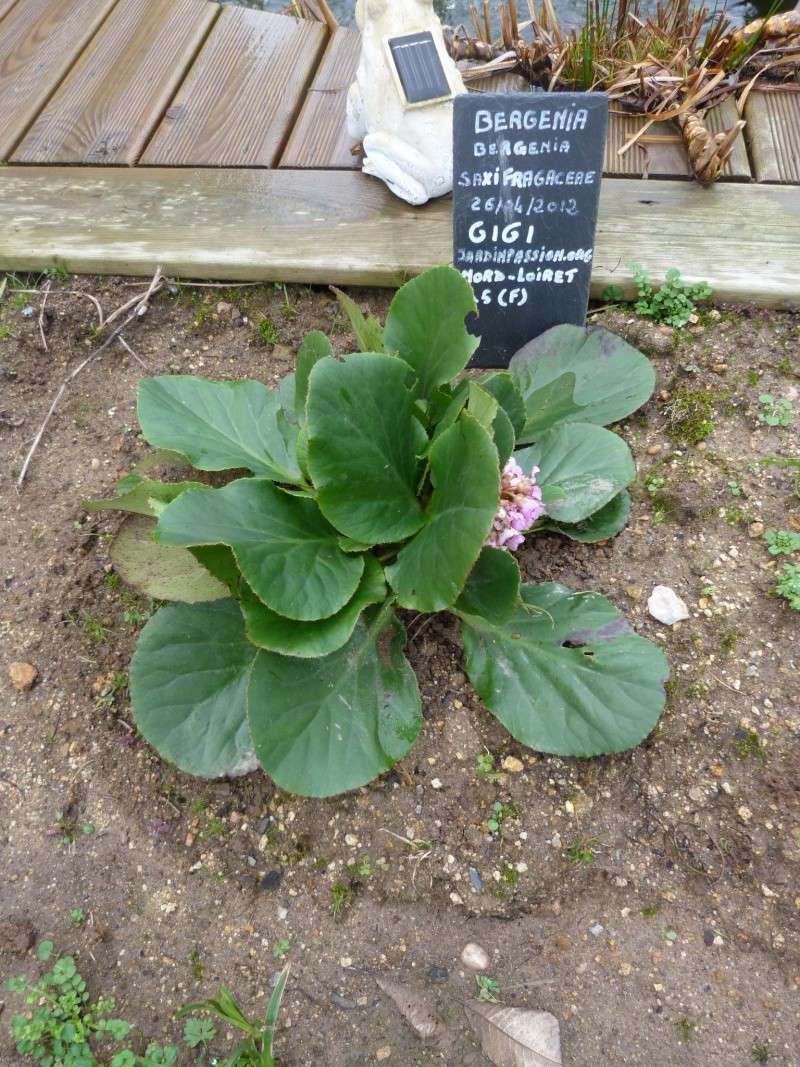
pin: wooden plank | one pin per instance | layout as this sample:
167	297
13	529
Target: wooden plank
341	227
118	90
320	138
239	100
5	7
39	41
773	133
656	158
720	118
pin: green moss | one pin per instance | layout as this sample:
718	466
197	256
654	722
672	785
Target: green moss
691	415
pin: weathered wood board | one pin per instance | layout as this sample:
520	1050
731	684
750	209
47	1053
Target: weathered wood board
113	97
239	101
5	7
773	122
348	229
39	42
320	138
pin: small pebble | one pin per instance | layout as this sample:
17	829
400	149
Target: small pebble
666	606
436	783
346	961
475	957
23	675
708	937
513	765
755	529
475	879
596	930
436	973
383	1053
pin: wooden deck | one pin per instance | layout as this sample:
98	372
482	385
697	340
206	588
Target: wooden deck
212	140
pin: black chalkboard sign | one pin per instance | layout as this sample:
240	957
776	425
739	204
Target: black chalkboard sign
526	179
420	73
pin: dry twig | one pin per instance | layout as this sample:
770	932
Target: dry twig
45	293
142	304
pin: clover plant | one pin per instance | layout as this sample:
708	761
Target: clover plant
363	487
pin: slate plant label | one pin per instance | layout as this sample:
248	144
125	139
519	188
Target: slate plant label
527	170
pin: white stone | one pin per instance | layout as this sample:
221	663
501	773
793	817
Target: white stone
475	957
410	149
665	605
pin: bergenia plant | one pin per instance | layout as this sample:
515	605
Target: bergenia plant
363	487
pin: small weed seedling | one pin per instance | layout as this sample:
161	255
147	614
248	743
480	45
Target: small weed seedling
488	988
268	331
684	1028
341	898
61	1027
650	911
484	766
77	916
775	412
691	415
280	949
256	1048
582	850
198	1032
759	1051
750	746
198	967
789	585
500	812
673	303
782	542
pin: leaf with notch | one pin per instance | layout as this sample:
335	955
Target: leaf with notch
220	425
283	545
195	718
566	674
425	326
364	447
430	571
612	379
581	468
329	725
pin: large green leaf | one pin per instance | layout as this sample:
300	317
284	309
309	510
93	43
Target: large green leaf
581	468
188	684
425	326
325	726
431	569
269	630
368	331
284	547
605	523
363	448
220	425
492	589
160	571
136	495
566	674
220	561
612	379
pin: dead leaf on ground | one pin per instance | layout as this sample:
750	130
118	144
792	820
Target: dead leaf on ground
516	1037
416	1008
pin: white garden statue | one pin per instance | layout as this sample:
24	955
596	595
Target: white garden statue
410	147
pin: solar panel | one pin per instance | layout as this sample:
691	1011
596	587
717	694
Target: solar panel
420	73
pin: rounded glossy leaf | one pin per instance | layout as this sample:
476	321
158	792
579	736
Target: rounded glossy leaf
605	523
188	685
581	468
425	326
430	571
285	549
326	726
289	637
611	379
566	674
492	589
160	571
364	447
220	425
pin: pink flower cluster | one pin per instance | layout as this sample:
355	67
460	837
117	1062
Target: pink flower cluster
520	506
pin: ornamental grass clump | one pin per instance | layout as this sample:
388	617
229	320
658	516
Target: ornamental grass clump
362	487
